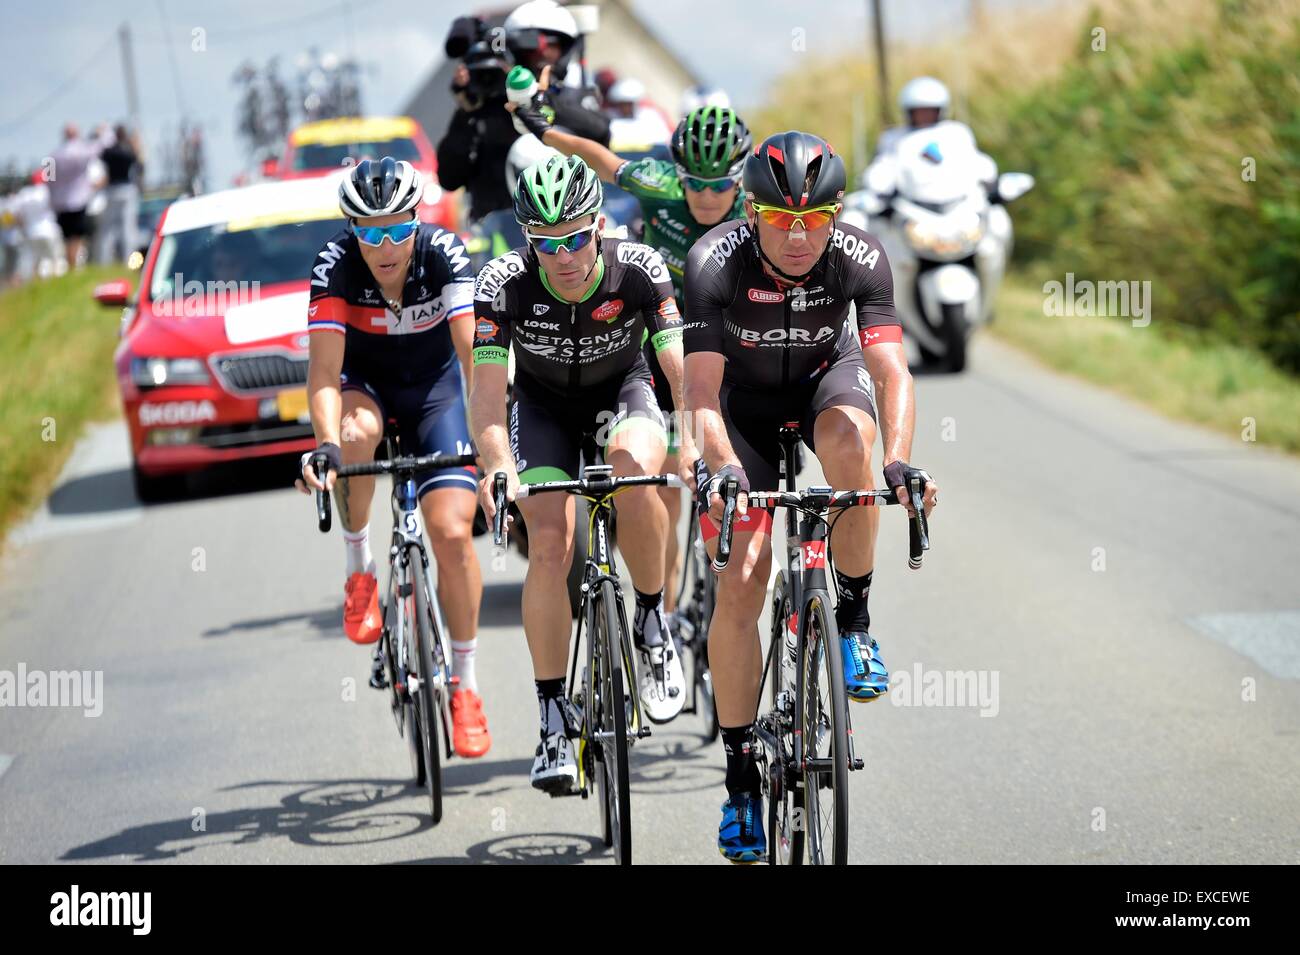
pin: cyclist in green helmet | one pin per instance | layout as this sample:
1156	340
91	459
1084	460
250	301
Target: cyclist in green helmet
680	201
574	307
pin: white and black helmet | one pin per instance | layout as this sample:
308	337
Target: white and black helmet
380	188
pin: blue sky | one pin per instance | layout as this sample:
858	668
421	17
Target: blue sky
62	61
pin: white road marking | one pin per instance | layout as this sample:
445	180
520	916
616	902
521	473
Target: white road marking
1270	639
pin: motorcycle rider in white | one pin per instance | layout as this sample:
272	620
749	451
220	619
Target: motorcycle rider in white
935	201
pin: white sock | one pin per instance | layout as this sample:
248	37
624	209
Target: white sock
462	664
358	548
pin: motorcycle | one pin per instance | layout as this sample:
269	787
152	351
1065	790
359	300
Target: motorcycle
948	236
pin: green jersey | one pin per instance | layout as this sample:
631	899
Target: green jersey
670	229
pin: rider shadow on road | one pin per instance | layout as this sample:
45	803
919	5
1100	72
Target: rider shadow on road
321	813
502	604
324	624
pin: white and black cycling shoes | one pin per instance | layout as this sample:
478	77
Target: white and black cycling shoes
662	685
555	769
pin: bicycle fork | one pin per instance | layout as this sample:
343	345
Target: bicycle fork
806	544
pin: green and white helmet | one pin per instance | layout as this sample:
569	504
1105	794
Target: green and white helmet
711	143
557	189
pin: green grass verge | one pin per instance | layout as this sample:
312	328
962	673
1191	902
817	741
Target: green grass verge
56	374
1179	372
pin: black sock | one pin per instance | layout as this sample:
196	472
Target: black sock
852	613
742	771
645	606
549	696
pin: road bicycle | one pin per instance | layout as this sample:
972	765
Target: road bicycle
412	659
805	750
602	704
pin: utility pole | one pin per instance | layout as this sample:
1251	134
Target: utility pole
128	76
878	28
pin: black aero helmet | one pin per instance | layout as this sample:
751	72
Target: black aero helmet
380	188
794	170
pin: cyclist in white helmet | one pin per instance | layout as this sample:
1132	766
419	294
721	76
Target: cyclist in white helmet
391	321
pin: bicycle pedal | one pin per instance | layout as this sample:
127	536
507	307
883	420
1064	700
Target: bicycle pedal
378	680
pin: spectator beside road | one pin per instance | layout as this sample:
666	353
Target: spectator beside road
116	238
11	240
42	253
71	186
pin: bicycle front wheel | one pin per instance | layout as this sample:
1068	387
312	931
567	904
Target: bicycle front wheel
427	697
611	723
785	799
823	718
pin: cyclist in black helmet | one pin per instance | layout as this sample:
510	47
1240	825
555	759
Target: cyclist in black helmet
768	341
680	201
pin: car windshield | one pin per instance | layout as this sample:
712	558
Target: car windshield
332	156
278	253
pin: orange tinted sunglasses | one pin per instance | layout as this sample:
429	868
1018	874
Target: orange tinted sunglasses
784	219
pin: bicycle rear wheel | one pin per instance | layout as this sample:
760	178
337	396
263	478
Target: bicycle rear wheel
611	723
427	697
785	802
823	718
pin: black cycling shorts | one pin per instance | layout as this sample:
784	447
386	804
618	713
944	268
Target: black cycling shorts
754	418
430	418
547	429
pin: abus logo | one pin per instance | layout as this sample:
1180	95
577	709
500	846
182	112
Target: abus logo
177	412
609	311
764	296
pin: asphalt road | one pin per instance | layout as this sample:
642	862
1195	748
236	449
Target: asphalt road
1127	586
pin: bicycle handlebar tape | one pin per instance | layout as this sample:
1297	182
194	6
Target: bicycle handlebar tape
324	513
917	532
499	519
730	491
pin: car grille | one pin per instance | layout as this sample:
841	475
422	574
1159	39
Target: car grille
260	372
243	435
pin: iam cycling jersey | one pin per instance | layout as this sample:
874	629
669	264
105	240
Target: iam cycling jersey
771	337
669	227
401	348
405	363
569	346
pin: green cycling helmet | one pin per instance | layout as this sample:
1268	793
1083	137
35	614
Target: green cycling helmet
557	189
711	143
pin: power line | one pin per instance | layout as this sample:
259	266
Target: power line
171	58
67	84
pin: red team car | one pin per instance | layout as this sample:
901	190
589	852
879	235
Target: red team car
212	364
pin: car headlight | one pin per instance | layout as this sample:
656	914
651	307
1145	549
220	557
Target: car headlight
156	372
